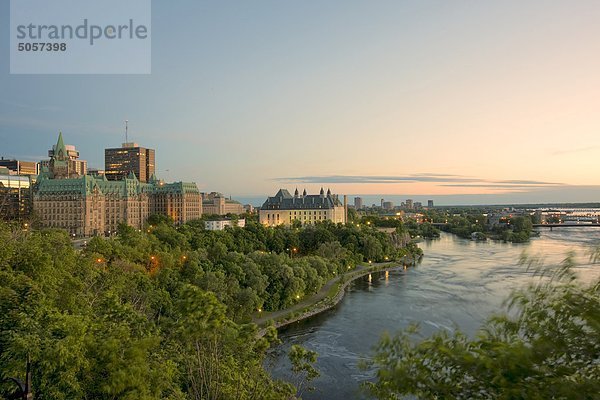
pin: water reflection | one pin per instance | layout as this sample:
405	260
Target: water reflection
458	283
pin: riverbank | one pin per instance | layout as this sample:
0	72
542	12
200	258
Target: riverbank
328	297
458	283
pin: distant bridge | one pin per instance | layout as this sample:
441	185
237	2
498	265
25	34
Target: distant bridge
594	225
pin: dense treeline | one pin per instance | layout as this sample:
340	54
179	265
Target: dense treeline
162	313
515	229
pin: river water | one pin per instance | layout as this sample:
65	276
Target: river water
459	283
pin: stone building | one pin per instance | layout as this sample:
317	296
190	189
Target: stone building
284	209
217	204
64	161
89	205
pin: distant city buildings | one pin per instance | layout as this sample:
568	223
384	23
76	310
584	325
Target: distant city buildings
417	205
409	204
358	203
130	157
217	204
388	205
88	205
221	224
284	209
95	172
429	203
20	167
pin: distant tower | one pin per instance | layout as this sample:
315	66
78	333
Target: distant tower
345	208
358	203
120	162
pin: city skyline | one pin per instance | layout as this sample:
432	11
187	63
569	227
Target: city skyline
472	103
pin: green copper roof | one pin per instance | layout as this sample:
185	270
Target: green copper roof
127	187
60	145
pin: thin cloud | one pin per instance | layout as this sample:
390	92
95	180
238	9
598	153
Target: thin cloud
494	186
578	150
442	179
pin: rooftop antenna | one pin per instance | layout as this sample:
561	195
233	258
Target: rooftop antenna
126	129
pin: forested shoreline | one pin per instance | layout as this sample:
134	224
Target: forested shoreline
164	312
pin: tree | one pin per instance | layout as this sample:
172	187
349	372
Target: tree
547	347
302	365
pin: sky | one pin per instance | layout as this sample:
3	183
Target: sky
461	101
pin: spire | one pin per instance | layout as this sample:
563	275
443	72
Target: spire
304	193
328	192
60	145
322	192
296	193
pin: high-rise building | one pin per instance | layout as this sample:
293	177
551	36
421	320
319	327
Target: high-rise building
429	203
388	205
64	161
358	203
409	203
284	209
21	167
120	162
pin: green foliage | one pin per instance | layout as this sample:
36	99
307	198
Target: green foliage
99	325
163	312
302	361
546	347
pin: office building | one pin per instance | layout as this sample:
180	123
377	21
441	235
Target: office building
409	203
429	203
358	203
215	203
20	167
95	171
284	209
388	205
130	157
15	195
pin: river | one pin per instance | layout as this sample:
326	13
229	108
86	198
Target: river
458	283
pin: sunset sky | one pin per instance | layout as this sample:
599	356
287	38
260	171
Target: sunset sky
492	101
